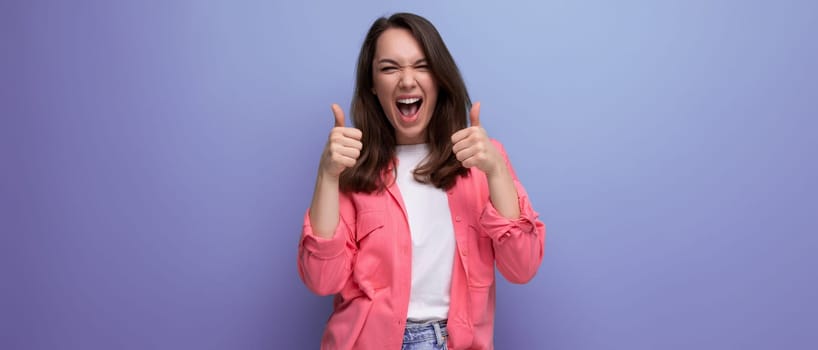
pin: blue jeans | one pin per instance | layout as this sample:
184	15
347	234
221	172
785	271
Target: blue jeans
425	336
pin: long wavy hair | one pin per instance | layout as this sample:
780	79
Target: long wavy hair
441	168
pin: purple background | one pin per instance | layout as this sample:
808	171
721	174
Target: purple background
157	158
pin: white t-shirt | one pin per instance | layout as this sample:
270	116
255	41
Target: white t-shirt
433	243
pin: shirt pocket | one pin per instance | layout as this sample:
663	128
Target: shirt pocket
371	265
481	258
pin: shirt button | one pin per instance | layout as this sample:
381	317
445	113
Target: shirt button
457	218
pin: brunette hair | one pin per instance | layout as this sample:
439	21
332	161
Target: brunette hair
441	168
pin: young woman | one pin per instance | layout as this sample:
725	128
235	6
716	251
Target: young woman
413	208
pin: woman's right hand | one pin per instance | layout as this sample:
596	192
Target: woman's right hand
343	147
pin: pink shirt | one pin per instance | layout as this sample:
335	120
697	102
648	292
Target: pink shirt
367	264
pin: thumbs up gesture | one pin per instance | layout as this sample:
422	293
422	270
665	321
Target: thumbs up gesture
473	148
343	147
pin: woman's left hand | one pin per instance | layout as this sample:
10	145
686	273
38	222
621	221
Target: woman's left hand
473	148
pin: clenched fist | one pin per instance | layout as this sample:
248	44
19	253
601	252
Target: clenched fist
343	147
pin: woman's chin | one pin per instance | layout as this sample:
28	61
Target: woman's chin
409	137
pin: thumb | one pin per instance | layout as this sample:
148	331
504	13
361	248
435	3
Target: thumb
339	115
474	115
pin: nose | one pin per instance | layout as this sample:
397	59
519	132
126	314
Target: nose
407	81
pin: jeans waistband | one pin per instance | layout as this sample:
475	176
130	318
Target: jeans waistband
424	331
423	324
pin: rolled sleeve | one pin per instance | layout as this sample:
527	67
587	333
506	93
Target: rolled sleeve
518	243
500	228
324	264
320	247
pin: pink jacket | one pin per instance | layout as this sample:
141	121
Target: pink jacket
367	264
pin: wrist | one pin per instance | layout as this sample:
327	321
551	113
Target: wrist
497	171
325	178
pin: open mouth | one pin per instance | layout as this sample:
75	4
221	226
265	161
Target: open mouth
409	107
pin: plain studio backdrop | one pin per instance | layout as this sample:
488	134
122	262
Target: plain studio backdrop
158	157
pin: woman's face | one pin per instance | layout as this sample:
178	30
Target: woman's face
404	85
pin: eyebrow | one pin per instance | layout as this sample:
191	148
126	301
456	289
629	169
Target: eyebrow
391	61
